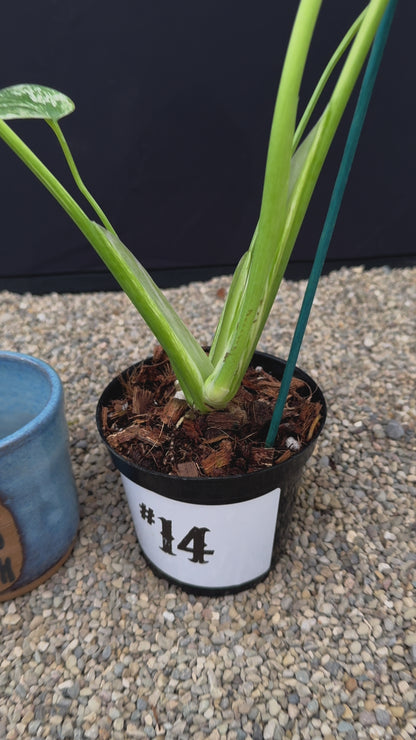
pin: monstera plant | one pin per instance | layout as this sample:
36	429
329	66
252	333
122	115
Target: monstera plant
294	162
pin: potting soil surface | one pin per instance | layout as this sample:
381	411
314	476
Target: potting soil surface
149	425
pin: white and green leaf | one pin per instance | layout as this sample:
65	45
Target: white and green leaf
34	101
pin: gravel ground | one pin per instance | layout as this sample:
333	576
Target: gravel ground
325	647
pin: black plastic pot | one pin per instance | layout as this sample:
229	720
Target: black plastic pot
213	535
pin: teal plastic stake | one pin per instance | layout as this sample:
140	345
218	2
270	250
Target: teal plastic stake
332	214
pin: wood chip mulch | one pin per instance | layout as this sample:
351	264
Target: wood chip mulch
157	430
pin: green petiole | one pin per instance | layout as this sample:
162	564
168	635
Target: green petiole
77	177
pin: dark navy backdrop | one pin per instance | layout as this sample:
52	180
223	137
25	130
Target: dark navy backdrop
174	103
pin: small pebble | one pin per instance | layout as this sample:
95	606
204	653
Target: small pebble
394	430
383	718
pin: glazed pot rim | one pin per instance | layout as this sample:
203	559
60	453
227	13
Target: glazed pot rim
49	407
123	463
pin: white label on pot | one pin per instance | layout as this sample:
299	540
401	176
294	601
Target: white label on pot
215	546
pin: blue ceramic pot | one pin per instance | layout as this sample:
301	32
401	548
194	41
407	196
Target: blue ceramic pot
39	512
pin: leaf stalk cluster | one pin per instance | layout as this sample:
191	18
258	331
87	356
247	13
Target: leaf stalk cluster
294	163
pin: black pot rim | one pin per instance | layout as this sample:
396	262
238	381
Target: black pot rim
241	486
